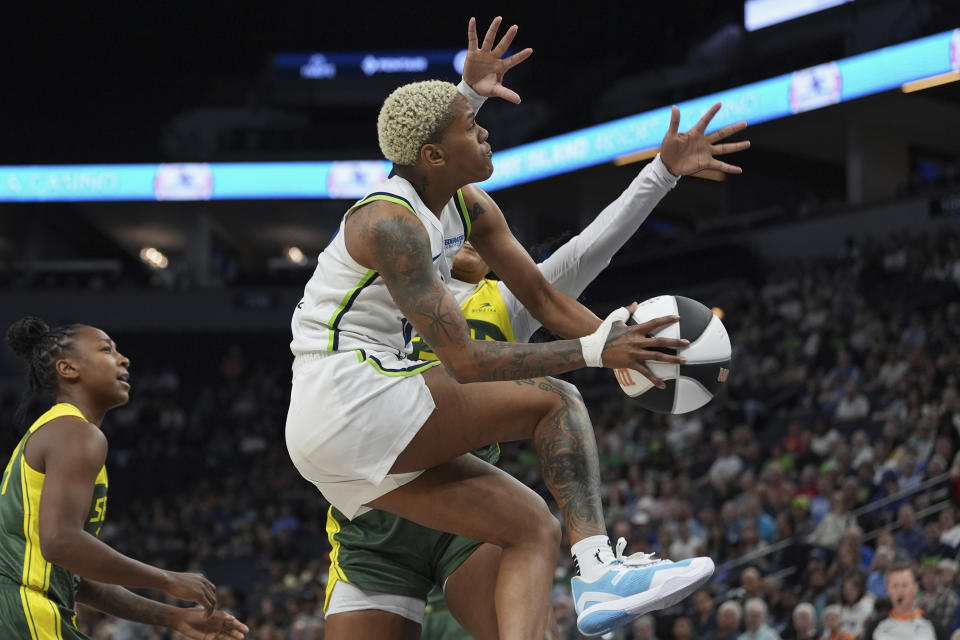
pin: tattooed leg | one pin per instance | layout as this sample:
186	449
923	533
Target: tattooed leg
567	452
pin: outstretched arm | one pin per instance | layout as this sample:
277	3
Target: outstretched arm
581	259
193	623
572	267
485	66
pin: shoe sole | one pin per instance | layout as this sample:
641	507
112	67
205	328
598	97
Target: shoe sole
671	591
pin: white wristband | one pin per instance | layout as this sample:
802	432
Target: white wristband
475	99
593	344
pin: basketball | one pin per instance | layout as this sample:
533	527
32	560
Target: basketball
691	385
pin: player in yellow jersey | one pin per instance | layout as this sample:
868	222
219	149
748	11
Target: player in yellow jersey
53	502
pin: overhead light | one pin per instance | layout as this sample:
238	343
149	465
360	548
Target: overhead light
636	156
930	81
295	255
646	154
154	258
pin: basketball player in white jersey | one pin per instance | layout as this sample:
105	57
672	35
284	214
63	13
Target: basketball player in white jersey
373	429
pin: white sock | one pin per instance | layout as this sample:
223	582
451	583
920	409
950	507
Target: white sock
592	555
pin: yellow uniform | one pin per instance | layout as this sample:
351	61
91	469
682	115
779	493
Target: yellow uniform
487	317
37	598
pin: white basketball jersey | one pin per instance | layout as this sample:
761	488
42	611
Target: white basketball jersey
347	306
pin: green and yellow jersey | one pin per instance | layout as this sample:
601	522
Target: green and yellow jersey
378	551
486	315
37	598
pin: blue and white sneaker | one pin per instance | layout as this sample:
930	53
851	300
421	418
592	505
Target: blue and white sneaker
634	586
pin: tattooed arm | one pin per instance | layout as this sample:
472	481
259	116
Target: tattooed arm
387	238
494	241
192	622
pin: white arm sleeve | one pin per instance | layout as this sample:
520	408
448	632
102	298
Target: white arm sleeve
475	99
581	259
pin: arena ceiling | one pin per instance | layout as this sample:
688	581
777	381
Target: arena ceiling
93	86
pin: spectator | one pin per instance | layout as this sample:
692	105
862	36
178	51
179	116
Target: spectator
834	525
856	603
846	562
778	609
685	545
797	440
853	405
751	585
729	616
910	473
854	540
755	612
644	628
704	617
938	601
854	496
889	487
885	538
860	448
820	504
728	464
905	620
682	628
803	623
893	369
817	589
566	618
843	373
816	561
910	536
833	628
765	524
948	573
876	580
803	522
935	550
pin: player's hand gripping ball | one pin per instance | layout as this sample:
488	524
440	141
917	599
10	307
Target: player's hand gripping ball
690	385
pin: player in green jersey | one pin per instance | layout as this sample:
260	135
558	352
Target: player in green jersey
53	501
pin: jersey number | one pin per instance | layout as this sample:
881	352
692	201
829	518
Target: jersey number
100	506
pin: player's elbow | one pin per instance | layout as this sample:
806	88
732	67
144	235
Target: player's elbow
54	544
460	366
543	301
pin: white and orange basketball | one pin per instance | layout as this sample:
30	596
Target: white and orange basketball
690	385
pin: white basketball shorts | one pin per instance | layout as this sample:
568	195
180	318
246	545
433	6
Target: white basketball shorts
351	414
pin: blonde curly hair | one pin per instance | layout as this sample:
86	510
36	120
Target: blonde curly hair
411	116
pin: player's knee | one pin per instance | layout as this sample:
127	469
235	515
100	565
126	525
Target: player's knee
566	394
529	522
552	531
542	527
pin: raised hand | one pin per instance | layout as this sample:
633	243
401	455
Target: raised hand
485	66
192	587
197	624
693	151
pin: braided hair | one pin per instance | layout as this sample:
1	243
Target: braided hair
34	341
